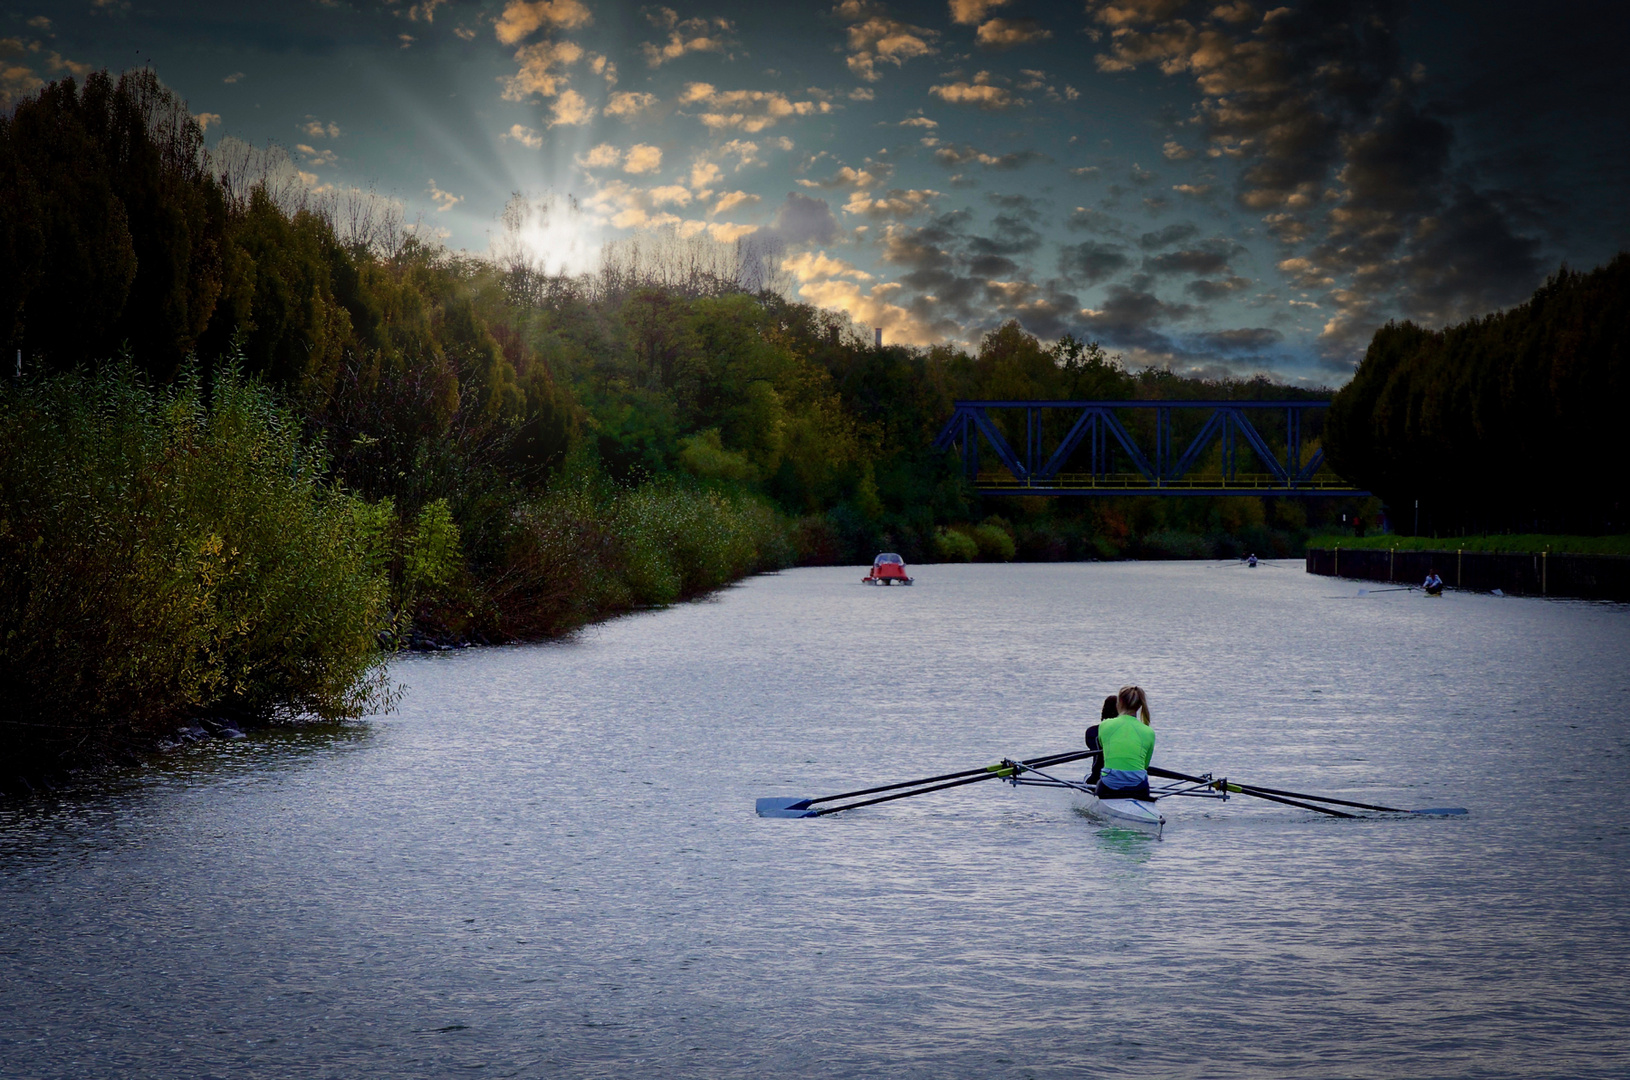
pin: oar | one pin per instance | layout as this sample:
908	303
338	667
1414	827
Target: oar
1238	789
784	807
1372	592
1278	795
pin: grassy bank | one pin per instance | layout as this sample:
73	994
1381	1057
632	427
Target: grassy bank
1518	543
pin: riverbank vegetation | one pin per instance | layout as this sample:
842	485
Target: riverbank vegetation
1504	543
1505	422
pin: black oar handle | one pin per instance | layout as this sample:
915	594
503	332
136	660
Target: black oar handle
1050	759
989	773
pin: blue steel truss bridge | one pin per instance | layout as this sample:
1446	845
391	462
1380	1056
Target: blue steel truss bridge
1226	454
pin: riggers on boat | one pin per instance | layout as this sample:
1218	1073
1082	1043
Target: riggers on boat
1140	813
887	569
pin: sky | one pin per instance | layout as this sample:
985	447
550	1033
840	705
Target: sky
1219	187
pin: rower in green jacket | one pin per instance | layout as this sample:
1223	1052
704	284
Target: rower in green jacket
1128	743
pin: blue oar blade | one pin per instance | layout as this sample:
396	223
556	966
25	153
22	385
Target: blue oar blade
781	807
1443	810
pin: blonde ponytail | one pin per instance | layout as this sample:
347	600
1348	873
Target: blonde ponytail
1133	702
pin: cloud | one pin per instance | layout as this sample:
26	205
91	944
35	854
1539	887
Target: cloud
444	200
424	10
999	34
521	18
1319	114
1171	234
732	199
1208	290
726	233
1208	257
1090	262
1129	315
528	138
1086	219
981	92
537	74
316	129
669	195
750	111
919	121
207	120
570	109
627	104
969	12
873	37
874	307
812	266
236	76
1176	151
685	36
847	177
642	158
1244	339
804	220
704	174
896	203
953	156
41	23
604	156
315	157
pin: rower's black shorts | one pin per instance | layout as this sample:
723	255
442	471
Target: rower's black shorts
1139	792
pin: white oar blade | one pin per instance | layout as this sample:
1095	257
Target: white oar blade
784	808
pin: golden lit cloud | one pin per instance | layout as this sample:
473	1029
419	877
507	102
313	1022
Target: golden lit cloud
524	17
627	104
642	159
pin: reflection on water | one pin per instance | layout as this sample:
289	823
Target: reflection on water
547	864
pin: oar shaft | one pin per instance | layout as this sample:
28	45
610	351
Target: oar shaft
1327	799
985	774
1263	792
1255	794
1050	759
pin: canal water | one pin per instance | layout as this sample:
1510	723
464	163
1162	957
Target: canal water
546	862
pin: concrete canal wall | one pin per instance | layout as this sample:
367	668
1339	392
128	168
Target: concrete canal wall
1588	577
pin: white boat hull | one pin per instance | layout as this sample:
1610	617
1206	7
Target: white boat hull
1137	813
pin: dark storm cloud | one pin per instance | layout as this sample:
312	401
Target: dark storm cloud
1086	219
1090	262
1352	173
1209	257
954	156
1129	314
1014	236
1022	205
1245	339
1171	234
1207	290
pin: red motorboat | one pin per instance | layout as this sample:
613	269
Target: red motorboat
887	569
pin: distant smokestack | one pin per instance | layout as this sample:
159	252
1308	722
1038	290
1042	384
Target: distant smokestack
879	333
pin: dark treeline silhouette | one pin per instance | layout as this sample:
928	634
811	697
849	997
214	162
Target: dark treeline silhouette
1506	423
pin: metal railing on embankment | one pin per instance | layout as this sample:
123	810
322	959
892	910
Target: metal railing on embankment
1540	573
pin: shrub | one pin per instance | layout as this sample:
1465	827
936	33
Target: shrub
953	546
994	542
166	558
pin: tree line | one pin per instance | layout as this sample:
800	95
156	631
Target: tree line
1503	423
